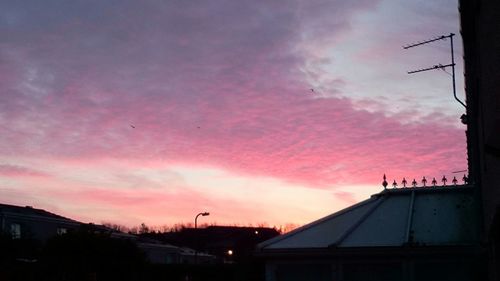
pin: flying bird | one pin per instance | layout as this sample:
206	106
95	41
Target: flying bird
133	127
312	90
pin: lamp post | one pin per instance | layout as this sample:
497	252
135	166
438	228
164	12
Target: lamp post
203	214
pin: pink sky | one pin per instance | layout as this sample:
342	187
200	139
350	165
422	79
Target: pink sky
219	95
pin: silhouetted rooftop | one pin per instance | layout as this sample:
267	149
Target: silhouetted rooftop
437	216
29	211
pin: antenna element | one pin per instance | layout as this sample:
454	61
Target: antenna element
439	66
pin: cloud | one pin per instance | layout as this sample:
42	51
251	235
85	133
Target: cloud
347	197
20	171
87	193
220	84
152	206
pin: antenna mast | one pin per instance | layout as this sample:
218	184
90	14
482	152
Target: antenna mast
439	66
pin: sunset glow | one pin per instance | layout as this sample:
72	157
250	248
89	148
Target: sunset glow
260	112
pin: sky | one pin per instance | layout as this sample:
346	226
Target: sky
257	111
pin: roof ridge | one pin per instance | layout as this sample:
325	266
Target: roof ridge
316	222
30	210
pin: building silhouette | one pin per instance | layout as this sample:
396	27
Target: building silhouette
31	223
228	243
481	39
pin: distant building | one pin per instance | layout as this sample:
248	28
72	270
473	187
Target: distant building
30	223
158	253
228	243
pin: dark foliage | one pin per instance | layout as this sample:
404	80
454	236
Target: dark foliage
6	248
85	255
93	255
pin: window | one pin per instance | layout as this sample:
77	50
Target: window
15	231
61	231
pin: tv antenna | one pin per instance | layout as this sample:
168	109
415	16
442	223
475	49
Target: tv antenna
439	66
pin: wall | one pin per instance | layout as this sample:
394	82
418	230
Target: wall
481	39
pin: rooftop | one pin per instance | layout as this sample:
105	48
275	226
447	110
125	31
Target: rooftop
29	211
437	216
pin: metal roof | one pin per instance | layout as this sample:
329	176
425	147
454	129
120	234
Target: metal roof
393	217
32	213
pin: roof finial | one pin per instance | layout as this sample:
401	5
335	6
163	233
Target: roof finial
414	183
444	180
424	181
465	179
454	181
394	184
384	183
404	182
434	182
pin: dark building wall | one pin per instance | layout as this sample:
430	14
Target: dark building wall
480	20
37	228
460	268
31	226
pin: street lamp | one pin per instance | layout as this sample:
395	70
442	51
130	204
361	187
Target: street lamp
204	214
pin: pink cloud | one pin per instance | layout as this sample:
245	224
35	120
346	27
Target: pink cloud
155	207
19	171
346	197
230	96
204	84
